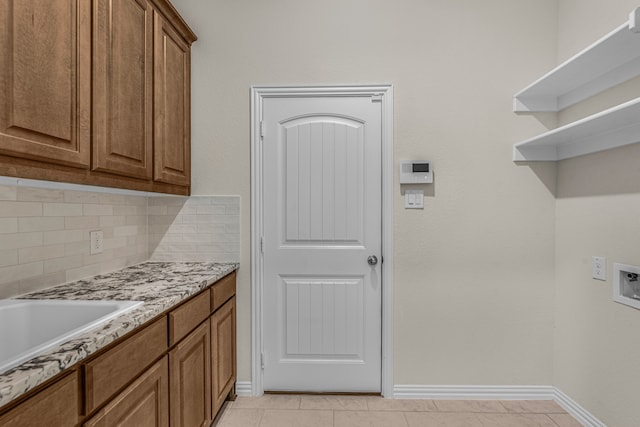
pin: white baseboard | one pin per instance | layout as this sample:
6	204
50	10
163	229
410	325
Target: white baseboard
501	393
571	406
243	388
473	392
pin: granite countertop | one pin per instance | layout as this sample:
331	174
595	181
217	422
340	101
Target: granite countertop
161	285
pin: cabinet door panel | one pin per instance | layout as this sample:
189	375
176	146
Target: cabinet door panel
190	380
122	87
223	345
56	405
145	403
45	85
172	151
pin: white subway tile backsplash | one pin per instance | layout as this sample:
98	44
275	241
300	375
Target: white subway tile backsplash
71	196
211	209
40	253
125	230
8	225
125	210
198	230
9	289
40	282
29	224
98	210
83	272
28	194
106	255
20	271
44	233
20	240
8	257
81	222
62	209
112	221
75	248
20	209
113	199
62	264
157	210
8	193
115	243
64	236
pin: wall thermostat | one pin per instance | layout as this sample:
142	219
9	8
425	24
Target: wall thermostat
416	172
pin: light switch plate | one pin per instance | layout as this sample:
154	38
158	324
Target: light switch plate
414	199
599	267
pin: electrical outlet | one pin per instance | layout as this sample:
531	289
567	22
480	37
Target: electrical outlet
97	245
599	267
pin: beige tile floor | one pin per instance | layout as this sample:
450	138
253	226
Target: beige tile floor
373	411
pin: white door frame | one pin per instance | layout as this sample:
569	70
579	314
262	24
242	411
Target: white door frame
258	93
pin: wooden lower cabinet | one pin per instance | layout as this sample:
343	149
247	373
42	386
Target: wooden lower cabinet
223	352
190	380
176	371
57	405
109	372
145	403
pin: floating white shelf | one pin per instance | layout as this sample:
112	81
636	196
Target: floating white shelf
613	59
611	128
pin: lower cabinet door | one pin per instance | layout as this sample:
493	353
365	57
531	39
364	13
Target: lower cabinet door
145	403
223	345
190	380
56	405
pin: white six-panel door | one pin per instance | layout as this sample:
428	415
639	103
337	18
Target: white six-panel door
322	221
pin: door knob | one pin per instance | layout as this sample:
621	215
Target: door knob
372	260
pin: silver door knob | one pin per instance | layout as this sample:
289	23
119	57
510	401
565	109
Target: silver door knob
372	260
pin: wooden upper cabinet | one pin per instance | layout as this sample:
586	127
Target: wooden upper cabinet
45	85
172	79
122	87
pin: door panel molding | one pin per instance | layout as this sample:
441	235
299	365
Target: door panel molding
382	94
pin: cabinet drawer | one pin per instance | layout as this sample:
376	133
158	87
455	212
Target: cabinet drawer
56	405
185	318
143	403
222	290
111	371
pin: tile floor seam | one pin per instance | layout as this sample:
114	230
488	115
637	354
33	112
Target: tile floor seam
552	420
261	412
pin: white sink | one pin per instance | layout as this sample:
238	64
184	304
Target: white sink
29	327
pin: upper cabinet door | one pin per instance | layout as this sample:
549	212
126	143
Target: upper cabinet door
122	87
45	85
172	152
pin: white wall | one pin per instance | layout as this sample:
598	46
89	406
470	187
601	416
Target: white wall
474	270
598	213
